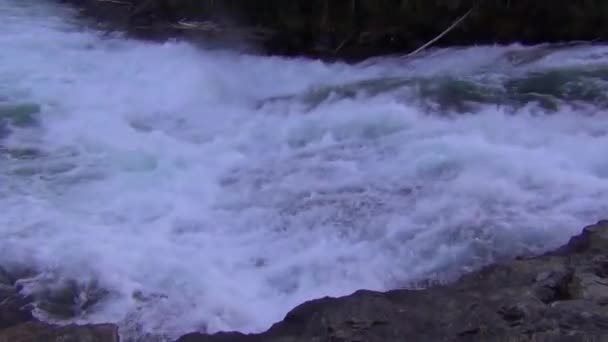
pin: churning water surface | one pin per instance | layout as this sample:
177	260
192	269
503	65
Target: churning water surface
169	188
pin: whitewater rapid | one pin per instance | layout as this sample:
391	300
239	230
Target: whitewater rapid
195	189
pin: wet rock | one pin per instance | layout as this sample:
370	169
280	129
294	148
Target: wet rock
589	286
14	308
69	299
6	278
558	296
17	323
593	240
42	332
220	337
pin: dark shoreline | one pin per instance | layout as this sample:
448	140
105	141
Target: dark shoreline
351	30
561	295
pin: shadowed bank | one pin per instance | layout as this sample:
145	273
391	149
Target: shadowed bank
354	29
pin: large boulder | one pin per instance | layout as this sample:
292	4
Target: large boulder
559	296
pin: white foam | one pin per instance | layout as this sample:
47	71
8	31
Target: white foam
162	175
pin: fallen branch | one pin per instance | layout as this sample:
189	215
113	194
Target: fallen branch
119	2
344	42
208	26
432	41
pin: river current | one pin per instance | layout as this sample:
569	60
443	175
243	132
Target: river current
170	188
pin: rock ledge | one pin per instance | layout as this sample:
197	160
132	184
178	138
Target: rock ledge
559	296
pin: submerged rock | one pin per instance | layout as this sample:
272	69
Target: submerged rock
559	296
14	308
6	278
19	114
69	299
17	323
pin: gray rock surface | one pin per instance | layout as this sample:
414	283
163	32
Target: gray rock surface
559	296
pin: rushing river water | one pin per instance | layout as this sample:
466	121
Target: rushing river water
169	188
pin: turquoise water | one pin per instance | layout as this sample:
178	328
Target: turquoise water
171	188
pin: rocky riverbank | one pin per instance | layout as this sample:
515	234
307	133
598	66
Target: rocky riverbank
17	323
352	29
559	296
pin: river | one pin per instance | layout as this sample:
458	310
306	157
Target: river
170	188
